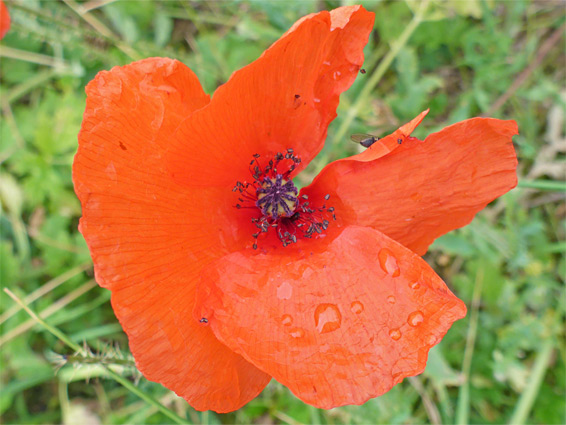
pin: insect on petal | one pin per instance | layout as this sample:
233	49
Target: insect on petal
422	190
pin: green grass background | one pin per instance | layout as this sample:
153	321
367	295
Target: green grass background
504	363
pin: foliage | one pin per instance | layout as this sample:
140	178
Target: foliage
504	363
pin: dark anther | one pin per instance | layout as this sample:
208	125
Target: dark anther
276	197
297	96
399	141
203	320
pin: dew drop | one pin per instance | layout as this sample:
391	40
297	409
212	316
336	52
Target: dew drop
415	318
297	332
432	340
284	291
327	318
336	75
357	307
286	320
391	299
388	262
395	334
415	285
316	100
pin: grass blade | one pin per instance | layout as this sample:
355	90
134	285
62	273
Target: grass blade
550	185
463	407
83	352
528	397
380	72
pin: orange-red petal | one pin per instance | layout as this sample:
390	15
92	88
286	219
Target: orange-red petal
150	237
388	143
4	20
422	190
337	324
285	99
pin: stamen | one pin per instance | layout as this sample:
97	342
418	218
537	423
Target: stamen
276	198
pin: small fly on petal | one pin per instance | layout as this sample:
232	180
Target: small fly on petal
366	140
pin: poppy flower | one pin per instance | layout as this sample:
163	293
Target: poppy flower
4	20
223	274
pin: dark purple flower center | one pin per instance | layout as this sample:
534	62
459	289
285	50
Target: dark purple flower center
277	199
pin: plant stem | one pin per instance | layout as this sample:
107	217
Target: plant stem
97	360
463	408
76	347
102	29
83	352
53	308
528	397
167	412
550	185
46	288
37	58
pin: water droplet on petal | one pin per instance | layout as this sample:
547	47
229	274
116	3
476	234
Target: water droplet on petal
395	334
357	307
391	299
415	285
432	340
297	332
286	320
388	262
327	318
284	291
336	75
415	318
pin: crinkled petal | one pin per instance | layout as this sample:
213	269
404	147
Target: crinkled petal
338	322
388	143
285	99
149	237
422	190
